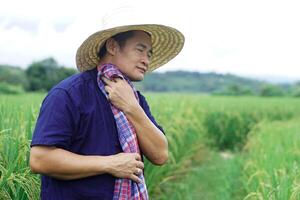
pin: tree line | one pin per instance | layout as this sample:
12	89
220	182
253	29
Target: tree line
44	74
39	76
215	84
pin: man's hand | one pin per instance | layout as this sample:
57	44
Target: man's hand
65	165
120	93
152	141
126	165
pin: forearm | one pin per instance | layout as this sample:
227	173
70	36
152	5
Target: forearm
152	141
66	165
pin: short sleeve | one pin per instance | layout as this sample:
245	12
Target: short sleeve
55	125
146	108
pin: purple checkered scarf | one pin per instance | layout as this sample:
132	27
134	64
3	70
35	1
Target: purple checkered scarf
124	188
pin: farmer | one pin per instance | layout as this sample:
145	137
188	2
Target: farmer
94	127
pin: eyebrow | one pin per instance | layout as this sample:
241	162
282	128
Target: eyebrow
145	47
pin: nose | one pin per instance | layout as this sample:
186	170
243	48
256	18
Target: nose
146	60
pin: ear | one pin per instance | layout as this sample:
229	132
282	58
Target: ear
111	46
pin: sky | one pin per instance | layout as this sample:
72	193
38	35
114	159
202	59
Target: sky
253	38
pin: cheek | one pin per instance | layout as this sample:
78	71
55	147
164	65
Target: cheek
133	55
129	61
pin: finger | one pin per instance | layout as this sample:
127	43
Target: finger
108	89
137	156
140	165
121	80
135	178
117	78
139	171
106	80
136	172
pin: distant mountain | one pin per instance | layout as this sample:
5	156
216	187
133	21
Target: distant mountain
171	81
274	79
183	81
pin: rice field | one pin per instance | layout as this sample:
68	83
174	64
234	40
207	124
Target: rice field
220	147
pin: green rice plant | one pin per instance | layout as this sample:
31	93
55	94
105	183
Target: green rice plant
218	178
236	117
271	169
17	117
190	122
184	132
229	129
229	121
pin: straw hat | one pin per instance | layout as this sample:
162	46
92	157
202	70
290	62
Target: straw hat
167	42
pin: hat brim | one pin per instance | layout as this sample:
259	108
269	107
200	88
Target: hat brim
167	42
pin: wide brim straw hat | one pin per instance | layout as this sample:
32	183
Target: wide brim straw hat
167	42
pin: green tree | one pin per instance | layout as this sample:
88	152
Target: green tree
6	88
13	75
234	90
296	90
271	90
44	74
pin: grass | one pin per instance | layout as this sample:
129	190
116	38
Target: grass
272	166
17	119
197	127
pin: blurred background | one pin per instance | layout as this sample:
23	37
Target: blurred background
231	46
229	102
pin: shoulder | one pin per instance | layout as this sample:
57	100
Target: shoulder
142	99
76	87
143	102
77	80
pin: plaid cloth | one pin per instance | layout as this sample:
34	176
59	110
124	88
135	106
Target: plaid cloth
124	188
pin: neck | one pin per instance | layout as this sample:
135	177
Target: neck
106	59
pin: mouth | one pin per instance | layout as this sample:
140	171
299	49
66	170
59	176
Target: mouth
142	70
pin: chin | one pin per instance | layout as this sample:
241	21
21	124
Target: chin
137	78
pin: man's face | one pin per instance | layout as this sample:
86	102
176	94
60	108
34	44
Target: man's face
134	58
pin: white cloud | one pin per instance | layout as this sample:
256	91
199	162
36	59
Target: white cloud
237	36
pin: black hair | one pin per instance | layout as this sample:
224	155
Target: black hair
120	38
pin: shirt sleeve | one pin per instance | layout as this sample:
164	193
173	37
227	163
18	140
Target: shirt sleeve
55	125
146	108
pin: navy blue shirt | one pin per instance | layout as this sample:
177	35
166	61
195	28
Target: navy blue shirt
77	117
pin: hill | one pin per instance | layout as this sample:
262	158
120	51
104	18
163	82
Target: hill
42	75
183	81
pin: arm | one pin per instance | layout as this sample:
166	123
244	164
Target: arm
152	141
65	165
54	128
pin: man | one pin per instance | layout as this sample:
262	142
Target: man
94	127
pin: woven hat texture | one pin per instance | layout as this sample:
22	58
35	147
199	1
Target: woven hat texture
167	42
